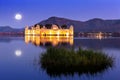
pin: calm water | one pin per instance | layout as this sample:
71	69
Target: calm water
18	60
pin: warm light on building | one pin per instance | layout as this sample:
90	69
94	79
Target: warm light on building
99	35
54	31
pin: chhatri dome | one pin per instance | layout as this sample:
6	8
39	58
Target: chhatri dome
55	27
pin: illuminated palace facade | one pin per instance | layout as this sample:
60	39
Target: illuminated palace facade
54	31
55	35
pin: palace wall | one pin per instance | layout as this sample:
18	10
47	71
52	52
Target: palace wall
54	31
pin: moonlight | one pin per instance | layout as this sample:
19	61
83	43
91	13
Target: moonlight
18	16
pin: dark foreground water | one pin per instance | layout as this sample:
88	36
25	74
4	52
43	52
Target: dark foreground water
19	61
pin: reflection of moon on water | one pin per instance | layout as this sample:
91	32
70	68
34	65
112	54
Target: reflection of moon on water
18	53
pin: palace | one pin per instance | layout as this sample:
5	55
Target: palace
54	31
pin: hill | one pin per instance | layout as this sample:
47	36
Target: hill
93	25
9	29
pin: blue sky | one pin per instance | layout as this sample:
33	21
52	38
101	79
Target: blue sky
34	11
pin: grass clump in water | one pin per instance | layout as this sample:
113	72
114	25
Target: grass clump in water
59	61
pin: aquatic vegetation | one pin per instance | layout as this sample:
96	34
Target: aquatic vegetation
58	61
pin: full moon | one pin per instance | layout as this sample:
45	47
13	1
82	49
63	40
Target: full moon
18	16
18	53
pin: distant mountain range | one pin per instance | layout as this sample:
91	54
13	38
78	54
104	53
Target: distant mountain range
93	25
9	29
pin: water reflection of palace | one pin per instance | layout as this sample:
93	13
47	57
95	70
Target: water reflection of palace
53	40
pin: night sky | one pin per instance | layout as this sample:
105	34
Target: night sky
33	11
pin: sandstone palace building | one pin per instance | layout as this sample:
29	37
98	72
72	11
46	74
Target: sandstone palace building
53	31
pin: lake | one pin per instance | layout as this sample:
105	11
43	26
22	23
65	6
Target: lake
19	58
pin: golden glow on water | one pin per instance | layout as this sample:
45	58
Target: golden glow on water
54	40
